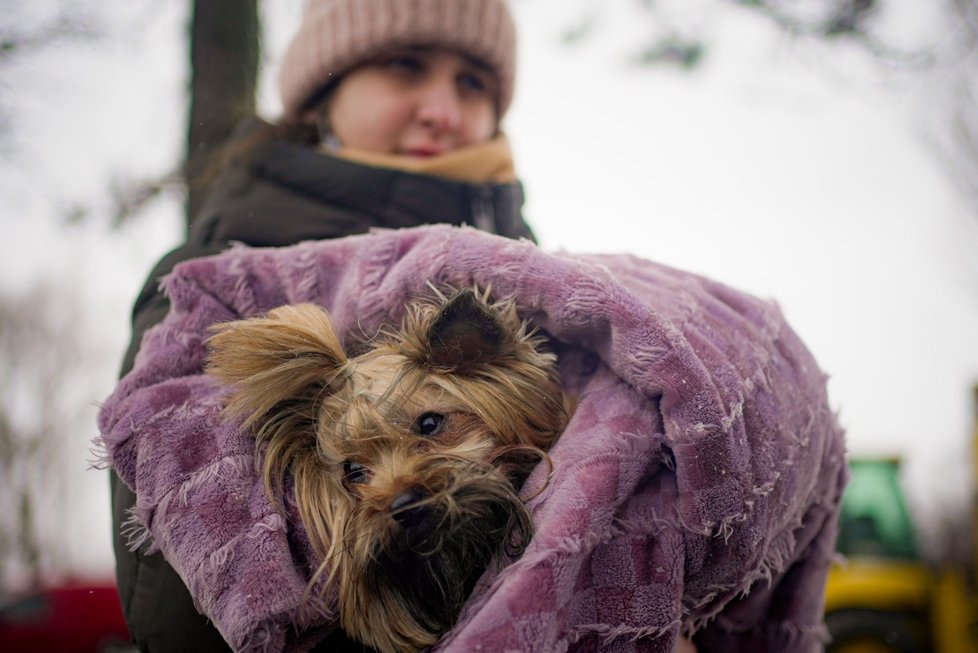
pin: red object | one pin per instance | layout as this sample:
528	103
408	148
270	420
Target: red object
68	618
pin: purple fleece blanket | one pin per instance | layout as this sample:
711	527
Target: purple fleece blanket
695	490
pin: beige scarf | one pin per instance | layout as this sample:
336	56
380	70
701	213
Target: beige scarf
490	162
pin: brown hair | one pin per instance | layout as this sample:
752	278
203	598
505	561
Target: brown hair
239	149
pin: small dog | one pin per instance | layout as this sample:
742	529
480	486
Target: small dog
405	461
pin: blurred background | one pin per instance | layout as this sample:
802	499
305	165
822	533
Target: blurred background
820	153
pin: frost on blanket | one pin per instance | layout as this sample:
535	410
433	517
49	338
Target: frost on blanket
696	488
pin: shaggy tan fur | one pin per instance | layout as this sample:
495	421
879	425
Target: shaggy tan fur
406	461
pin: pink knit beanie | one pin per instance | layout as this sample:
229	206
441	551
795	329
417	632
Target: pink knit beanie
336	35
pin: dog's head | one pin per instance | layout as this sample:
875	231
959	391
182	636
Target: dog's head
406	460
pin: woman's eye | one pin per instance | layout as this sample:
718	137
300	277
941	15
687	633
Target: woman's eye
354	473
406	63
472	83
429	424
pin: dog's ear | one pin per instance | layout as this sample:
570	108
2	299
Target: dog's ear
464	334
291	356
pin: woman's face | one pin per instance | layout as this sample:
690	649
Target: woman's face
415	102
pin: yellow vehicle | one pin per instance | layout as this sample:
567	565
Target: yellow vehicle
883	598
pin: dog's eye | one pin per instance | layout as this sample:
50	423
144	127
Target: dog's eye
429	424
354	473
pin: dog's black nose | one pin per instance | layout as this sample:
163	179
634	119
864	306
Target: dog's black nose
406	508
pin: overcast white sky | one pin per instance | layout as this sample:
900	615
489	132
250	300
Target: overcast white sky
786	172
778	168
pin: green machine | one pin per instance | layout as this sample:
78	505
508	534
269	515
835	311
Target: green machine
883	598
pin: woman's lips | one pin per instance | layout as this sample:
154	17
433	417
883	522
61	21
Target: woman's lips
423	151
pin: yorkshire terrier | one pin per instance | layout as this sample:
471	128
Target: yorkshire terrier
405	461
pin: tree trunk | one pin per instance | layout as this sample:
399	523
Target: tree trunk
30	548
223	70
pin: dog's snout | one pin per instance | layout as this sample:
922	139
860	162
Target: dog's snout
406	507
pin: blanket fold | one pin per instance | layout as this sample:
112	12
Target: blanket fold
696	488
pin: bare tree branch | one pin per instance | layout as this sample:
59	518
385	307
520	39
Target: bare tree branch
67	24
18	39
955	106
852	21
130	196
41	373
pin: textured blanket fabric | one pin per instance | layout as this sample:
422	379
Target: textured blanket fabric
696	488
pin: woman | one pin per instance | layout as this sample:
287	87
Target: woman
392	113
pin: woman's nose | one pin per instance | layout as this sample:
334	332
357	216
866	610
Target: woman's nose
439	107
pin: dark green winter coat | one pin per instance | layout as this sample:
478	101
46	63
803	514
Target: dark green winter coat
276	193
